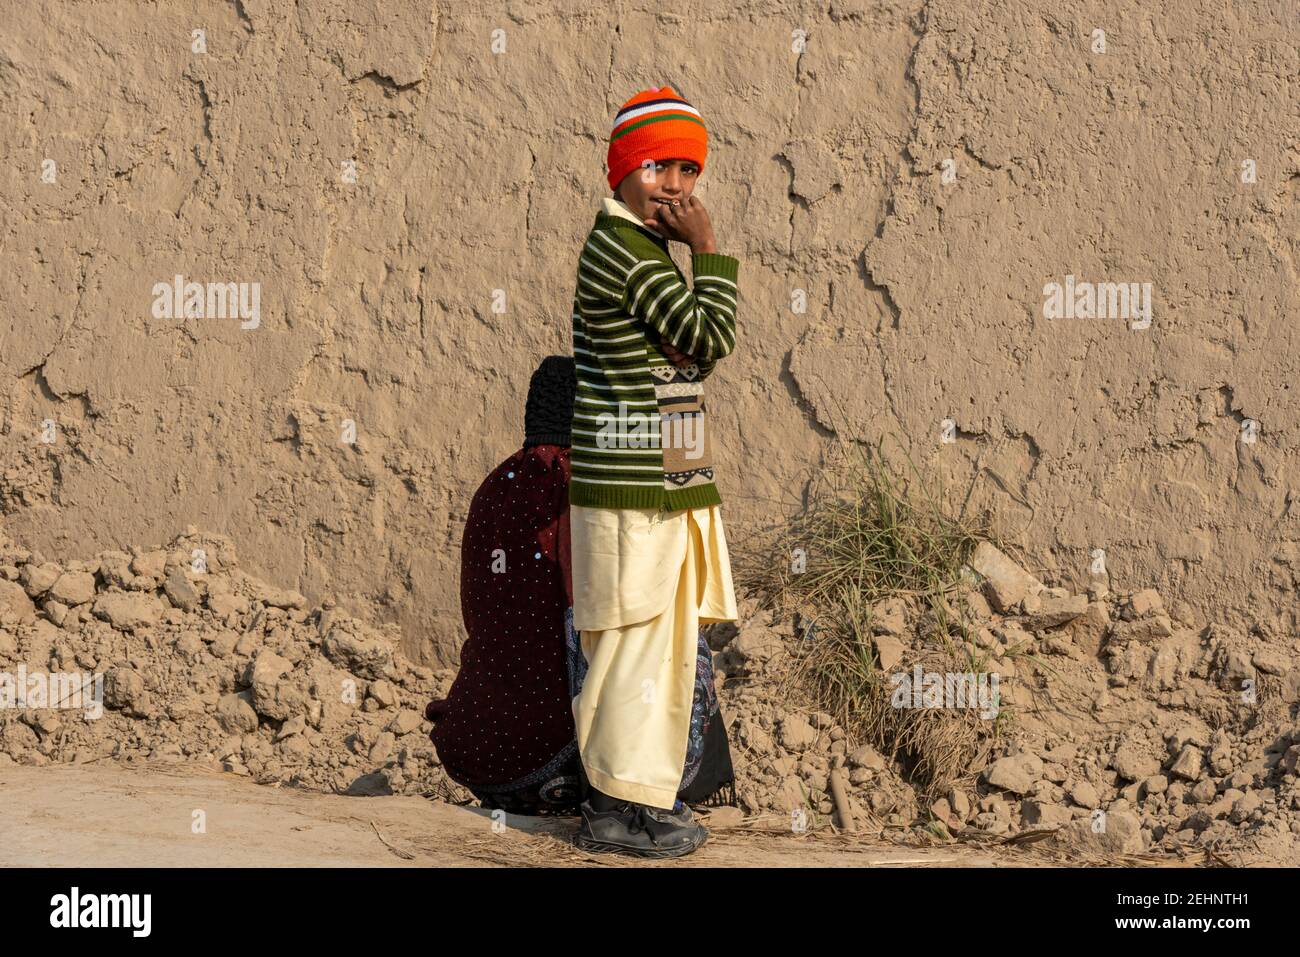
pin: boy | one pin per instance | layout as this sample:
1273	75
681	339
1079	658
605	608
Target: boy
650	562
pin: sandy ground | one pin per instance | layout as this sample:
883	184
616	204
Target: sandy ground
110	816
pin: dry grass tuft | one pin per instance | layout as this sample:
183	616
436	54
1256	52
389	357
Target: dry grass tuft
869	533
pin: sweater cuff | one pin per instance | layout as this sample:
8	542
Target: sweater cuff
715	264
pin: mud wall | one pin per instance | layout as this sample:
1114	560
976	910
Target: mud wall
406	184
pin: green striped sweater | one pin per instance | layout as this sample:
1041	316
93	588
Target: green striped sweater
638	430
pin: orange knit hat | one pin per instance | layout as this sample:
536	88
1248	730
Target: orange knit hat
655	125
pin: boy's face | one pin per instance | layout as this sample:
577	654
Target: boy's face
666	180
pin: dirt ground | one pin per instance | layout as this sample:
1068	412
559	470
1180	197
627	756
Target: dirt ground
106	815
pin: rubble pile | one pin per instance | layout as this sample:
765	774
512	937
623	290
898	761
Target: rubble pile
202	662
1135	729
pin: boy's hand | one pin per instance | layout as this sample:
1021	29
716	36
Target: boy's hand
676	356
687	223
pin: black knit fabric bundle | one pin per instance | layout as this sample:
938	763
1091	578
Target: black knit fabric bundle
548	414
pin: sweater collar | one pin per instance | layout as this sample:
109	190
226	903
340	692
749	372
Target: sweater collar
616	207
614	212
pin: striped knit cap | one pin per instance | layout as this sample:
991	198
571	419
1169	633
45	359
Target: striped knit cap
655	125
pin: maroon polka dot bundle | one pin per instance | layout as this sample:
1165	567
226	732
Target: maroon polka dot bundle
508	712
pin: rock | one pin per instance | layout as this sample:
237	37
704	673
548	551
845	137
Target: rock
281	700
1244	807
1053	772
1005	582
1271	662
1015	773
1188	763
889	617
186	707
280	598
942	811
1061	646
188	645
1035	813
295	749
150	564
754	643
46	723
127	611
14	604
181	591
247	643
123	688
405	722
266	669
115	569
1291	687
796	734
235	713
1184	736
56	611
1156	784
383	693
1223	805
890	650
73	588
1198	820
1243	780
1054	611
1142	630
1062	752
1202	792
1133	763
1236	669
223	644
752	736
867	757
226	605
1290	762
1143	603
37	579
960	804
382	749
1103	833
295	725
859	776
370	785
347	646
977	605
1084	795
725	817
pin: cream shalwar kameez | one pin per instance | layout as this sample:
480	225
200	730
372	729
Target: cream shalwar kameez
644	581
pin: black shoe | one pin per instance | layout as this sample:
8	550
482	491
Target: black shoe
684	816
639	830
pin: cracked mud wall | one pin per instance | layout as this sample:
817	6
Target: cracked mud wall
876	297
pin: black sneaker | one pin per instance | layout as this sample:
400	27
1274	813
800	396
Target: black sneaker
639	830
